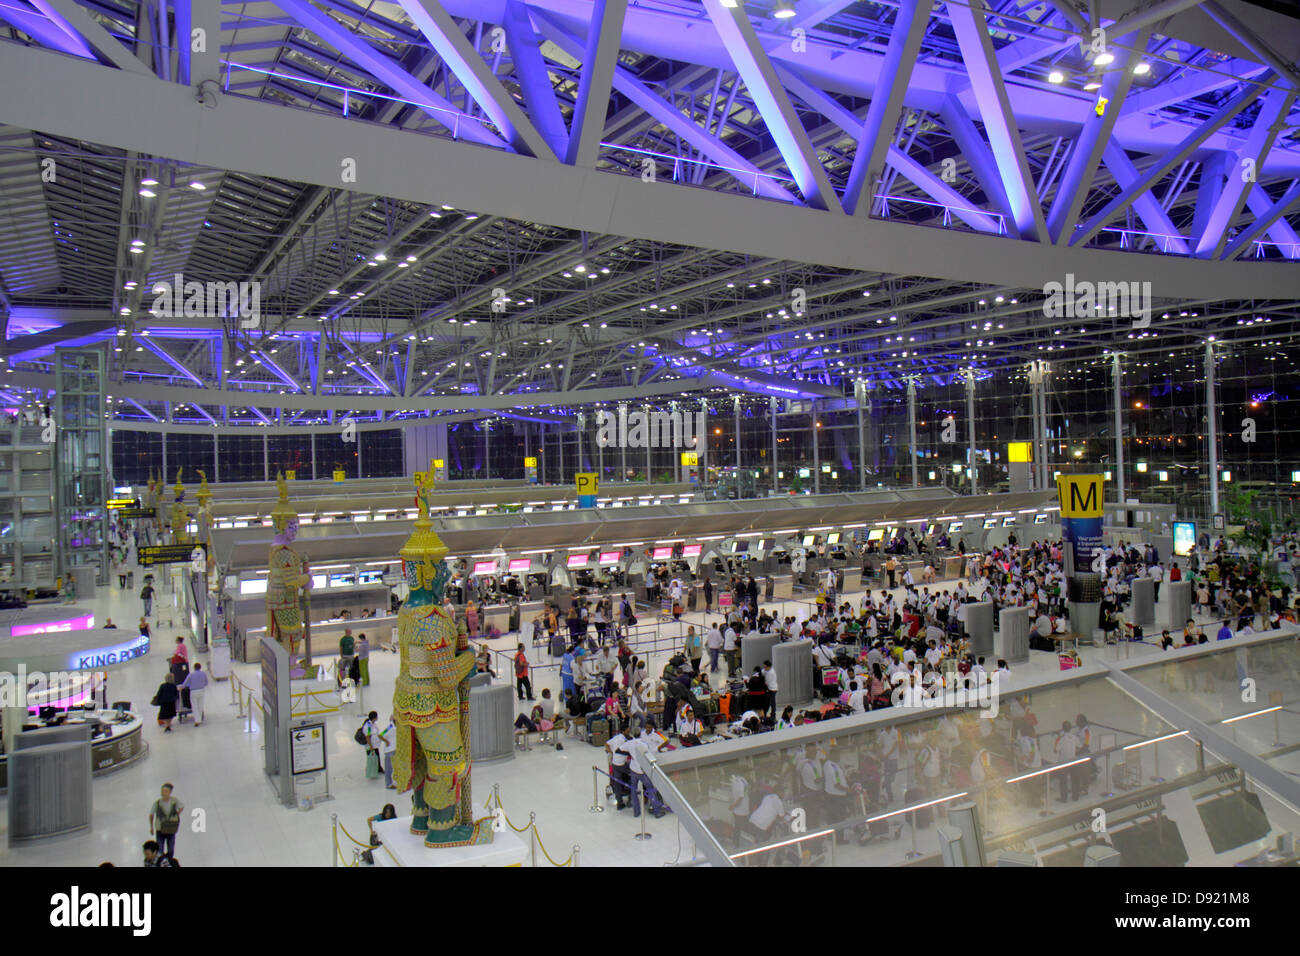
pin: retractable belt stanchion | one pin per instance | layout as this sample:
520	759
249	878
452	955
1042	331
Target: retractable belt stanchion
596	806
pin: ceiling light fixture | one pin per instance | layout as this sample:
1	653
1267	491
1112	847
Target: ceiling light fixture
783	10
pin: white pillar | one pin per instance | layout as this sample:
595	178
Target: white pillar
735	401
860	394
771	404
971	462
1116	371
911	432
817	451
1212	417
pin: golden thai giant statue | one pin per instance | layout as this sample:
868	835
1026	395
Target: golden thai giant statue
289	580
180	518
431	699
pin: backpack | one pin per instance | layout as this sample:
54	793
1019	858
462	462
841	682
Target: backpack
361	737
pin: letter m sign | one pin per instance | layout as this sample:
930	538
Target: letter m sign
1080	495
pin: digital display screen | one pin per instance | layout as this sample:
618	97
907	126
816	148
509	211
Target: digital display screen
875	534
610	557
954	527
1008	522
766	544
833	538
579	560
741	547
808	540
485	567
692	550
1040	519
1184	538
253	586
340	579
990	522
662	554
520	564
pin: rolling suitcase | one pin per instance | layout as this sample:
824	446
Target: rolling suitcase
599	732
557	645
924	816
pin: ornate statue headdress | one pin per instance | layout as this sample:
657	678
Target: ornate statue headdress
178	489
204	494
423	552
283	512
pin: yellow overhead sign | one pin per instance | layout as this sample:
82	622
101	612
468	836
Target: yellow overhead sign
1019	452
1080	496
690	459
530	462
586	483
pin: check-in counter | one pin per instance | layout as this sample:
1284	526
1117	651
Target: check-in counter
852	580
325	636
782	587
953	566
124	744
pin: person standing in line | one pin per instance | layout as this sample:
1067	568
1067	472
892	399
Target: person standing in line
388	746
347	649
523	686
891	744
165	820
166	700
197	684
373	742
363	659
891	568
708	594
693	647
730	645
619	773
769	679
713	640
1066	749
146	595
837	804
606	663
566	672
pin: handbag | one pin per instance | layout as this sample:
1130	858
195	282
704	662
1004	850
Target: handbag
154	702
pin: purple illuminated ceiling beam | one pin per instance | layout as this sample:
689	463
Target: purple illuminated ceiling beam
388	72
1268	123
1190	143
1148	208
167	357
678	123
1280	232
877	133
1276	211
534	77
444	35
971	28
774	105
599	60
278	371
921	177
73	19
1214	172
1251	42
820	12
976	152
1091	140
46	32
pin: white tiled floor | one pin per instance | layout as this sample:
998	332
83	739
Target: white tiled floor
216	769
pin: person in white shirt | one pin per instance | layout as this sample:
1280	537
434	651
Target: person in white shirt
713	640
1064	750
387	747
890	742
196	682
769	678
731	650
1157	574
770	809
933	655
857	698
739	802
909	655
639	751
811	782
620	774
837	805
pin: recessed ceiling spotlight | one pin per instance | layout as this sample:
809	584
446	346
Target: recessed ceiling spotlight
195	184
1056	76
1104	59
1142	69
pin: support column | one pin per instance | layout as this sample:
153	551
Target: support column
622	433
971	463
817	451
776	487
704	441
1042	426
647	444
487	448
266	456
911	431
1212	417
216	459
860	393
735	401
600	453
360	473
313	456
1117	402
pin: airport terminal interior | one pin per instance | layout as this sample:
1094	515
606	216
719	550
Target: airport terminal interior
727	433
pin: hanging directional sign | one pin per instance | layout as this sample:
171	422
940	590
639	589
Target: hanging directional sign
169	554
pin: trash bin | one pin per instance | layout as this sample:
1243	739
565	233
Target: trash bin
130	580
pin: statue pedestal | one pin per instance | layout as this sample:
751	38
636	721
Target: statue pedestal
506	849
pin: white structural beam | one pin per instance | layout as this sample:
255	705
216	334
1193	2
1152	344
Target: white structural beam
877	132
69	15
599	59
773	104
971	27
68	96
444	35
